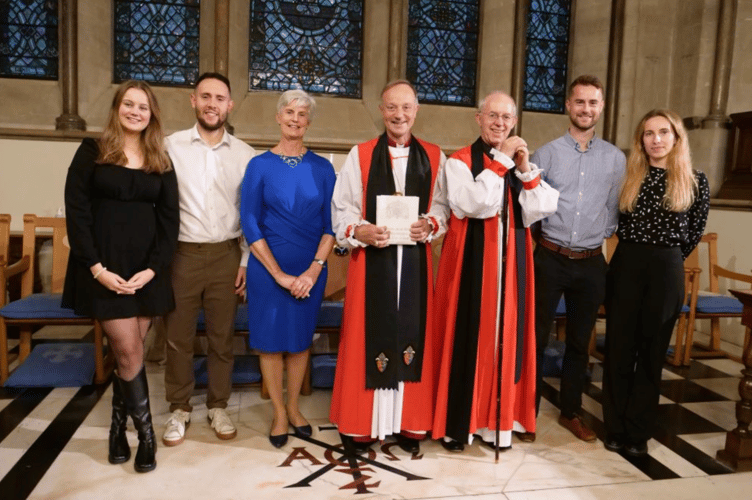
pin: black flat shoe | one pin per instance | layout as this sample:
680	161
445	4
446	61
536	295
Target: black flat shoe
352	447
278	441
491	446
452	446
303	430
636	449
614	443
407	444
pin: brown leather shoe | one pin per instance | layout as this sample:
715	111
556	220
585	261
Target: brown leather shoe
525	437
577	427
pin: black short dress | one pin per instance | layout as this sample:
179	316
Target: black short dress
126	219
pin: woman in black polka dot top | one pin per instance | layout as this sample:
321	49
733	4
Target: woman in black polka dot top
664	205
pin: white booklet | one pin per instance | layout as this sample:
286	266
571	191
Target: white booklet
397	213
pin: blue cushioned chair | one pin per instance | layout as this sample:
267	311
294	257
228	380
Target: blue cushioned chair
711	303
37	309
717	306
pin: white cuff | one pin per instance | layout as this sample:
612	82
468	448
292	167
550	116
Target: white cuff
530	175
502	158
352	240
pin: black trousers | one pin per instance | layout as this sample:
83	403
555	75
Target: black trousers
645	292
583	283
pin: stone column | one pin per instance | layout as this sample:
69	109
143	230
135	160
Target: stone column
221	36
222	43
397	39
613	80
69	120
722	68
518	59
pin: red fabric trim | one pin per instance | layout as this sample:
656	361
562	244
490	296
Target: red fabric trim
434	224
495	166
518	400
532	184
348	231
363	439
413	435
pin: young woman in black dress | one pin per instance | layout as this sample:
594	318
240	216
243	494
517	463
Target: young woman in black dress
121	201
664	205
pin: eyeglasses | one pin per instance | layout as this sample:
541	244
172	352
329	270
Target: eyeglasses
506	118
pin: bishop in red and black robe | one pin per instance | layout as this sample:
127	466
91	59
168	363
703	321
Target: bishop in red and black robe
384	380
479	317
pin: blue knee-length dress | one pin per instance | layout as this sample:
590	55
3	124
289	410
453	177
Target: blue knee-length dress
290	207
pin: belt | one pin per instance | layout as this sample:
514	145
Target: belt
568	252
208	247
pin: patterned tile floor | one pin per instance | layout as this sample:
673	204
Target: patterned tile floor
53	446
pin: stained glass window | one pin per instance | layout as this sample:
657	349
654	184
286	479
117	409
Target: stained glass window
546	57
28	39
442	50
315	45
157	41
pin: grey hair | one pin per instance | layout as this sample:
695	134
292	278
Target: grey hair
482	103
395	83
303	98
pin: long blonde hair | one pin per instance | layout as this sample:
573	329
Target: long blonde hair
151	138
681	184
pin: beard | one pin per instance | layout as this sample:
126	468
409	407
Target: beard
578	124
211	126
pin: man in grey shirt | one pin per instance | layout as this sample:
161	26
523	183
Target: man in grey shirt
587	171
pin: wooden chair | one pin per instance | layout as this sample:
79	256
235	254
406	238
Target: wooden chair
686	322
711	304
38	309
727	303
4	255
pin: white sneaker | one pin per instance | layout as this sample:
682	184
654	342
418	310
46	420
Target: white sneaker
221	423
174	433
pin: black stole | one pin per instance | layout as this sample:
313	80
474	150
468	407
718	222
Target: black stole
467	321
395	338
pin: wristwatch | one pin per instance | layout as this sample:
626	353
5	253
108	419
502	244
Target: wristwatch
320	262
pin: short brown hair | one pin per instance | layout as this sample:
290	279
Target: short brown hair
215	76
591	80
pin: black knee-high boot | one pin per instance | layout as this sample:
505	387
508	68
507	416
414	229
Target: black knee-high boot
136	397
119	450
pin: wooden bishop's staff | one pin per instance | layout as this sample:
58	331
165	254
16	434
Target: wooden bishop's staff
500	301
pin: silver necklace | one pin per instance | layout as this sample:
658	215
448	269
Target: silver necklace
291	161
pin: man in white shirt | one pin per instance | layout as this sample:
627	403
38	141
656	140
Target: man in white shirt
208	270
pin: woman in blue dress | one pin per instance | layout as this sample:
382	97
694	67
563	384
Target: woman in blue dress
285	210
